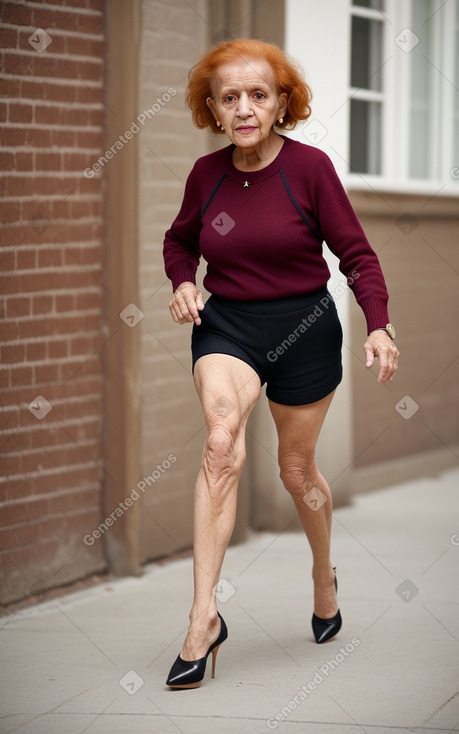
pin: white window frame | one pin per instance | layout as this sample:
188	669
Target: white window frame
395	151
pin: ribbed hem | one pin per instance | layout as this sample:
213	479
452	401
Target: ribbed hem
181	273
376	313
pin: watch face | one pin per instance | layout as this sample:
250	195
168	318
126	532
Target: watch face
391	331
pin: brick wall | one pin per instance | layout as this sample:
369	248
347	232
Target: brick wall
52	114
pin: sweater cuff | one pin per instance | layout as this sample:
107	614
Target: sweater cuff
181	273
376	313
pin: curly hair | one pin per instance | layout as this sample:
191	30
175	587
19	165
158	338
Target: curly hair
289	78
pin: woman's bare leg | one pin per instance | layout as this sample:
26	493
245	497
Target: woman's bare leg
228	389
298	429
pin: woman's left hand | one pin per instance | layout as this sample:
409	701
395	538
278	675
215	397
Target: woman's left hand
379	344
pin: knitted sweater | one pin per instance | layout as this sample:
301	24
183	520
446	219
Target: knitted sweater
261	232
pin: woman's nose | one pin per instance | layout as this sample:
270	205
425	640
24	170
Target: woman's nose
243	107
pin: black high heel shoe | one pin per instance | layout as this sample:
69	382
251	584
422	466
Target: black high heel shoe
325	629
189	673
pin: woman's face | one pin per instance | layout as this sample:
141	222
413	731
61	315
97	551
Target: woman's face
246	102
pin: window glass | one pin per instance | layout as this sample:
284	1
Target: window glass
365	137
366	53
372	4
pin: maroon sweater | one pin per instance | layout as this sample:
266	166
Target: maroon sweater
261	232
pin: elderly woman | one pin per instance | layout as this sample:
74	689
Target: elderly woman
258	211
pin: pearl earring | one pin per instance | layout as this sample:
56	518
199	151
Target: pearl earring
281	120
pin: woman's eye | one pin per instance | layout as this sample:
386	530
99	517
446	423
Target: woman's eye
259	95
229	98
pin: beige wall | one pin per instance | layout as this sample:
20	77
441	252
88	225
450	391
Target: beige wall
173	36
416	240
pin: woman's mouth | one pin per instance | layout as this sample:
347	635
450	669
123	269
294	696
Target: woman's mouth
245	129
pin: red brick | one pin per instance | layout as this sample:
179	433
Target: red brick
91	24
88	95
58	349
10	88
49	91
65	302
25	259
90	386
50	258
52	18
42	304
18	185
17	307
47	66
3	112
92	140
21	376
47	161
36	351
77	46
11	236
88	301
46	374
23	161
13	137
47	436
14	14
52	185
17	512
85	255
5	378
88	70
13	353
43	461
18	64
7	261
20	112
38	214
39	138
50	326
10	211
18	535
8	37
81	367
6	161
76	161
81	345
63	138
80	209
98	5
48	114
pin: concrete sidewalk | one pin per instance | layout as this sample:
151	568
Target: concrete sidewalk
96	661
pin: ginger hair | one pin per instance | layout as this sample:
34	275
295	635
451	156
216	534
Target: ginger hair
288	76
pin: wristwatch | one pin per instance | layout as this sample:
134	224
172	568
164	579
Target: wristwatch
389	329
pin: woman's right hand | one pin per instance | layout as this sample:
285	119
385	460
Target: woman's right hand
186	303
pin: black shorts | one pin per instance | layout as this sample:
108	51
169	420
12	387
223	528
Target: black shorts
293	344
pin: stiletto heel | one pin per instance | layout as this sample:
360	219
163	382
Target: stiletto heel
214	659
189	673
325	629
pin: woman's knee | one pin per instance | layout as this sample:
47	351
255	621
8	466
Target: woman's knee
224	453
298	473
